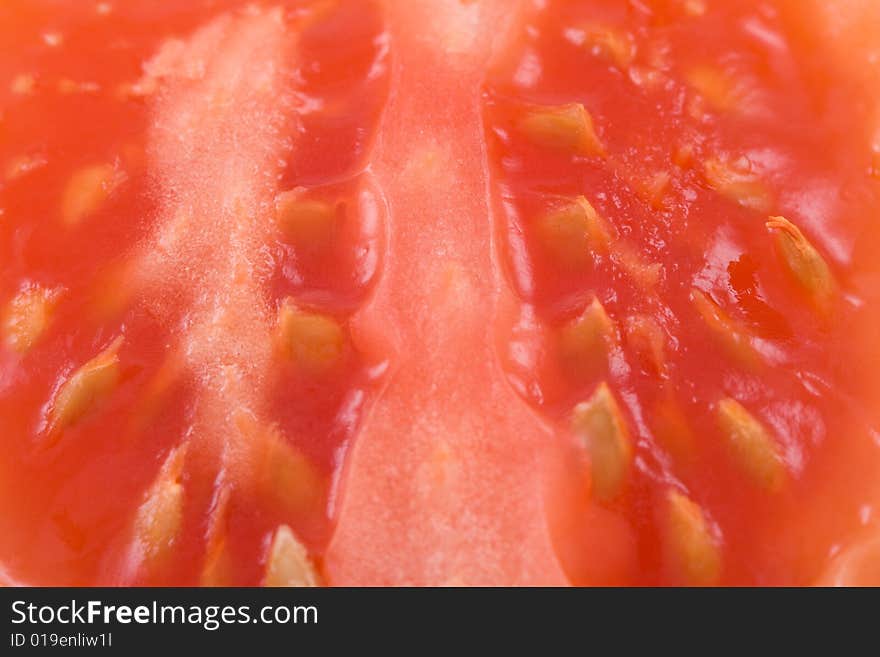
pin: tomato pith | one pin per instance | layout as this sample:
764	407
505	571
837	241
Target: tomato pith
439	292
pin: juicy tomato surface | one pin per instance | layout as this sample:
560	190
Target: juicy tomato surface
439	293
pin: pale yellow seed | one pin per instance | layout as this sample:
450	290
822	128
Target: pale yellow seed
736	181
567	128
28	315
691	551
570	234
729	333
313	342
598	230
281	472
289	563
306	223
84	390
584	343
601	425
87	190
158	520
804	262
751	445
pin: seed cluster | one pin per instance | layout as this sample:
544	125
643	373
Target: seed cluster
561	154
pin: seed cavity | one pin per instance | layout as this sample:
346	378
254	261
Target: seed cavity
584	344
312	342
729	333
28	315
566	128
90	385
158	520
599	423
736	181
87	190
804	262
751	445
288	563
306	223
691	549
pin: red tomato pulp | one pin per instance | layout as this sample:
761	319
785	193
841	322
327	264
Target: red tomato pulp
439	293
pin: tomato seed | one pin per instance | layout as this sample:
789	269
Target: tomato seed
566	128
289	563
804	262
600	424
691	551
86	388
751	445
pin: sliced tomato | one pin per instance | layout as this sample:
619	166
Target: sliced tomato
439	293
